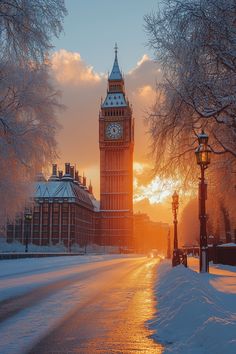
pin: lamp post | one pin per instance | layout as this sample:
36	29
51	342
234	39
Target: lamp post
175	206
168	245
203	153
28	218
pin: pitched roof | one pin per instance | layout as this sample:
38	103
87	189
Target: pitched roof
115	73
64	190
116	99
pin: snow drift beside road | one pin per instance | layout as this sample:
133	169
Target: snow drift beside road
192	315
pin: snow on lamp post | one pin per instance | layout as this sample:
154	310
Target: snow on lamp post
28	218
203	154
175	206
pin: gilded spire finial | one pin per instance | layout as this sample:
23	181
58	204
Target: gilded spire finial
116	49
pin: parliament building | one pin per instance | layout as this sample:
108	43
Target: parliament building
64	209
116	142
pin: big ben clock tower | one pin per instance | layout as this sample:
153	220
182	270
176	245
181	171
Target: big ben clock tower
116	141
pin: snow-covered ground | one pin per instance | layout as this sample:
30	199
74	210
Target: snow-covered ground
17	247
196	313
33	290
19	276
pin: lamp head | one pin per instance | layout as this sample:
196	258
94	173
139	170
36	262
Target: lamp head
28	216
203	155
203	151
175	198
203	138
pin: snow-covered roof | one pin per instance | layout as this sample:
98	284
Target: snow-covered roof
115	73
64	189
96	204
116	99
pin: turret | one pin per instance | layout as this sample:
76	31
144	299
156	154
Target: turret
84	181
90	189
54	176
67	176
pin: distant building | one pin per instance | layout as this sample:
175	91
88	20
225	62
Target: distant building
64	210
149	234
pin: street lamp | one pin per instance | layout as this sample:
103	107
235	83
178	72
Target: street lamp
175	206
203	156
168	245
28	218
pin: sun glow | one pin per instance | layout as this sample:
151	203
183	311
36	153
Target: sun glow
155	190
139	167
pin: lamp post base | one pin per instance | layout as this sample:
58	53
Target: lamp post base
204	261
175	258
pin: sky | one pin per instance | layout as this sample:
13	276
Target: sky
81	59
92	28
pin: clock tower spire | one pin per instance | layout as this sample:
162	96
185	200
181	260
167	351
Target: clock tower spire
116	142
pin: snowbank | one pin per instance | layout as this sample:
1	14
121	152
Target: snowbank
227	245
17	247
192	315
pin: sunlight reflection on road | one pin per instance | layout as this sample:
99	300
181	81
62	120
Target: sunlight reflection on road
113	320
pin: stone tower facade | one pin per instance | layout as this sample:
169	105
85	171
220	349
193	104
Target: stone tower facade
116	142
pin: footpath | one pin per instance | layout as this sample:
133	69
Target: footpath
195	313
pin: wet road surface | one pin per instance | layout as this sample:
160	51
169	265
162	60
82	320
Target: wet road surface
111	314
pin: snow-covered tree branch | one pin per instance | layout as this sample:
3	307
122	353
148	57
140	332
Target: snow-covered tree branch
195	43
28	101
27	27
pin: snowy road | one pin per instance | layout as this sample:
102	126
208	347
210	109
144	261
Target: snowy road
77	305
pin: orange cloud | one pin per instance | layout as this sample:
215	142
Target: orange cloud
146	92
144	58
68	67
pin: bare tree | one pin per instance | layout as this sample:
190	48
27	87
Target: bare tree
28	101
195	42
27	27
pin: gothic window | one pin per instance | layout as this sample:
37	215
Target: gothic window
36	208
36	219
55	207
65	206
45	207
64	220
45	219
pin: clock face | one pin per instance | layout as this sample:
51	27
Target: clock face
114	130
